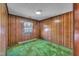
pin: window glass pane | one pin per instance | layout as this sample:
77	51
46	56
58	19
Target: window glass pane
27	27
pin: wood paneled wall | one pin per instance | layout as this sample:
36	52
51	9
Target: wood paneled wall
76	25
3	29
15	30
60	33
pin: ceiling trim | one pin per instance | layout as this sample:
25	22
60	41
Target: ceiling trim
25	17
55	16
42	19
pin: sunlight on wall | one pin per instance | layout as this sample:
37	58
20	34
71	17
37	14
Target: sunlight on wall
46	29
76	35
57	21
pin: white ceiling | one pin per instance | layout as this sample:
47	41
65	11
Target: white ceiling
48	9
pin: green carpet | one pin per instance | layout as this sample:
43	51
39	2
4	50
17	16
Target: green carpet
38	48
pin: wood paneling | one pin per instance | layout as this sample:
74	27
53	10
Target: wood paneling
15	30
76	34
60	33
3	29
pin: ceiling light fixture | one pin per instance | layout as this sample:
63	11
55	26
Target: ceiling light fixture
38	12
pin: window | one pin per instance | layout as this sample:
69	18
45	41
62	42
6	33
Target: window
27	27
